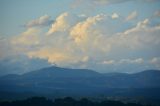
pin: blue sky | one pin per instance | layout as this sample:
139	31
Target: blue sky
15	13
104	35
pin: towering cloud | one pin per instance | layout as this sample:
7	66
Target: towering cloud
63	23
97	34
88	41
82	31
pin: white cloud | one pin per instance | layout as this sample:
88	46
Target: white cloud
42	21
53	56
131	16
27	38
81	32
108	62
108	2
83	15
90	40
59	56
124	61
63	23
143	23
115	16
155	61
132	61
65	49
140	37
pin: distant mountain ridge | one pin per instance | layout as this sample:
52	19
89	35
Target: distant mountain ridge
67	81
63	72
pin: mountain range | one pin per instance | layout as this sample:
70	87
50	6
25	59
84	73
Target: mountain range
82	82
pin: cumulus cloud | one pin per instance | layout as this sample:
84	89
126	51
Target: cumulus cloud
131	16
59	56
53	56
41	21
81	31
73	44
77	41
90	40
139	37
28	38
63	23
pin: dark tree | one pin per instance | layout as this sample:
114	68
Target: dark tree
68	101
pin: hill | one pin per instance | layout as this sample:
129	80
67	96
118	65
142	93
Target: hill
82	82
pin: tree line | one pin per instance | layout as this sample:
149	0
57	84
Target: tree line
67	101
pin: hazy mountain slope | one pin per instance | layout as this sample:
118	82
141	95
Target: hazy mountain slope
82	81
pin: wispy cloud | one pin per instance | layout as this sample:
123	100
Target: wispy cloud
108	2
108	62
157	13
124	61
132	61
6	49
40	22
131	16
155	61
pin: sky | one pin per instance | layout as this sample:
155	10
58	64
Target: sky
102	35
